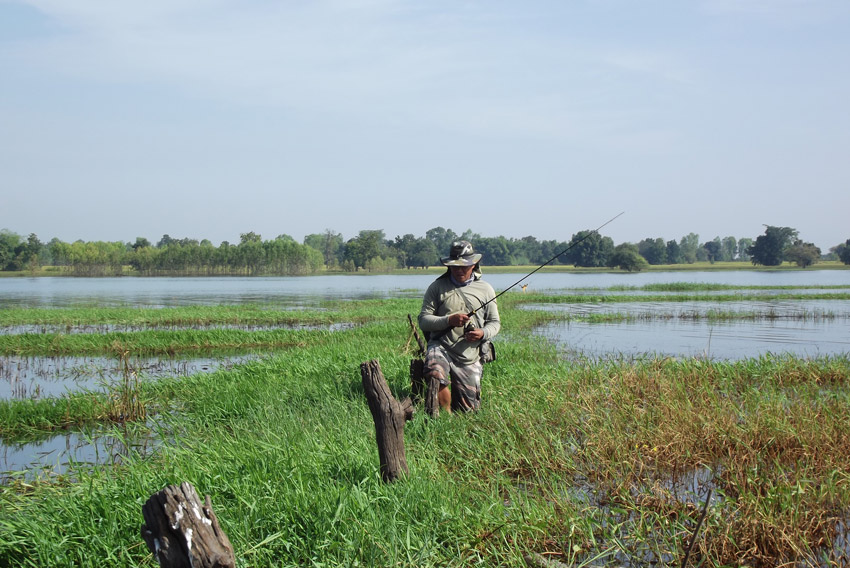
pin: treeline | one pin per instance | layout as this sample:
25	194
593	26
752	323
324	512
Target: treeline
185	257
372	251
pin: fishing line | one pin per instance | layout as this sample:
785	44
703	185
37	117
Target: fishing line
596	230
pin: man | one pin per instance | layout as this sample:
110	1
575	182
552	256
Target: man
454	336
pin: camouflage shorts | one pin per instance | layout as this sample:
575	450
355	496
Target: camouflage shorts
465	379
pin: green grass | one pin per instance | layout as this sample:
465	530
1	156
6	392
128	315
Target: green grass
566	457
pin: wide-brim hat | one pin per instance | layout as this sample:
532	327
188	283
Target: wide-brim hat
461	254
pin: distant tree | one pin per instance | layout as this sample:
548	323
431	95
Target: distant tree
769	248
552	249
525	250
442	239
743	245
164	241
329	243
674	252
495	251
688	247
729	249
250	237
30	252
9	243
713	250
802	254
627	257
423	254
653	250
843	251
403	247
589	249
367	245
141	242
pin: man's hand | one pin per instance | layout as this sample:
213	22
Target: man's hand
458	320
474	335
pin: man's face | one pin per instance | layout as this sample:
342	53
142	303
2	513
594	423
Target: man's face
462	273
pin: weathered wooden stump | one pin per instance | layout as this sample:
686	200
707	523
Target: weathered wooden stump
432	403
183	533
389	416
417	380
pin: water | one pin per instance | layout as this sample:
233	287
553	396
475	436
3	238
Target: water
41	377
59	454
802	328
300	290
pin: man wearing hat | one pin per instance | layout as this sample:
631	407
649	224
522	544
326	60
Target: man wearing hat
458	314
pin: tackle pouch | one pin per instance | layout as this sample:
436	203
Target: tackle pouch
487	352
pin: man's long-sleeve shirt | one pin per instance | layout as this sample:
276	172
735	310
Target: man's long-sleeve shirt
443	298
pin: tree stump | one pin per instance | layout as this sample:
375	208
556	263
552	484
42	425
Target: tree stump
183	533
389	416
417	380
432	403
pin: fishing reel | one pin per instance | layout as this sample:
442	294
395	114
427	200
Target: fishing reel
470	324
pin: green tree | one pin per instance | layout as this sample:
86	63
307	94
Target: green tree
495	251
367	245
674	252
688	247
843	251
743	246
769	248
802	254
713	249
329	243
141	242
589	249
442	239
729	249
653	250
626	256
9	243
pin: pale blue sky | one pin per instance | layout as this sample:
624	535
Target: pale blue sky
207	119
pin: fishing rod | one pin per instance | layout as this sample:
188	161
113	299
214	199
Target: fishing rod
596	230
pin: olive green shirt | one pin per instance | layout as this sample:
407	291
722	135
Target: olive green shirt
443	298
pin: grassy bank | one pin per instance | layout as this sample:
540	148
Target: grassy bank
576	459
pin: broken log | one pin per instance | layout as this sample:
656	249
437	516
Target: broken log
181	532
389	416
432	402
417	380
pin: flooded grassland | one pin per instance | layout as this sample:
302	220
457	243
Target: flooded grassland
612	418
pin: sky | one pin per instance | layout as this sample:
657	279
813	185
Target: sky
207	119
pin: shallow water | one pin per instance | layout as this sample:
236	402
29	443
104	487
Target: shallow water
114	328
41	377
58	454
805	328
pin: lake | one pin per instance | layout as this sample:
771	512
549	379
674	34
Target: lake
160	292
